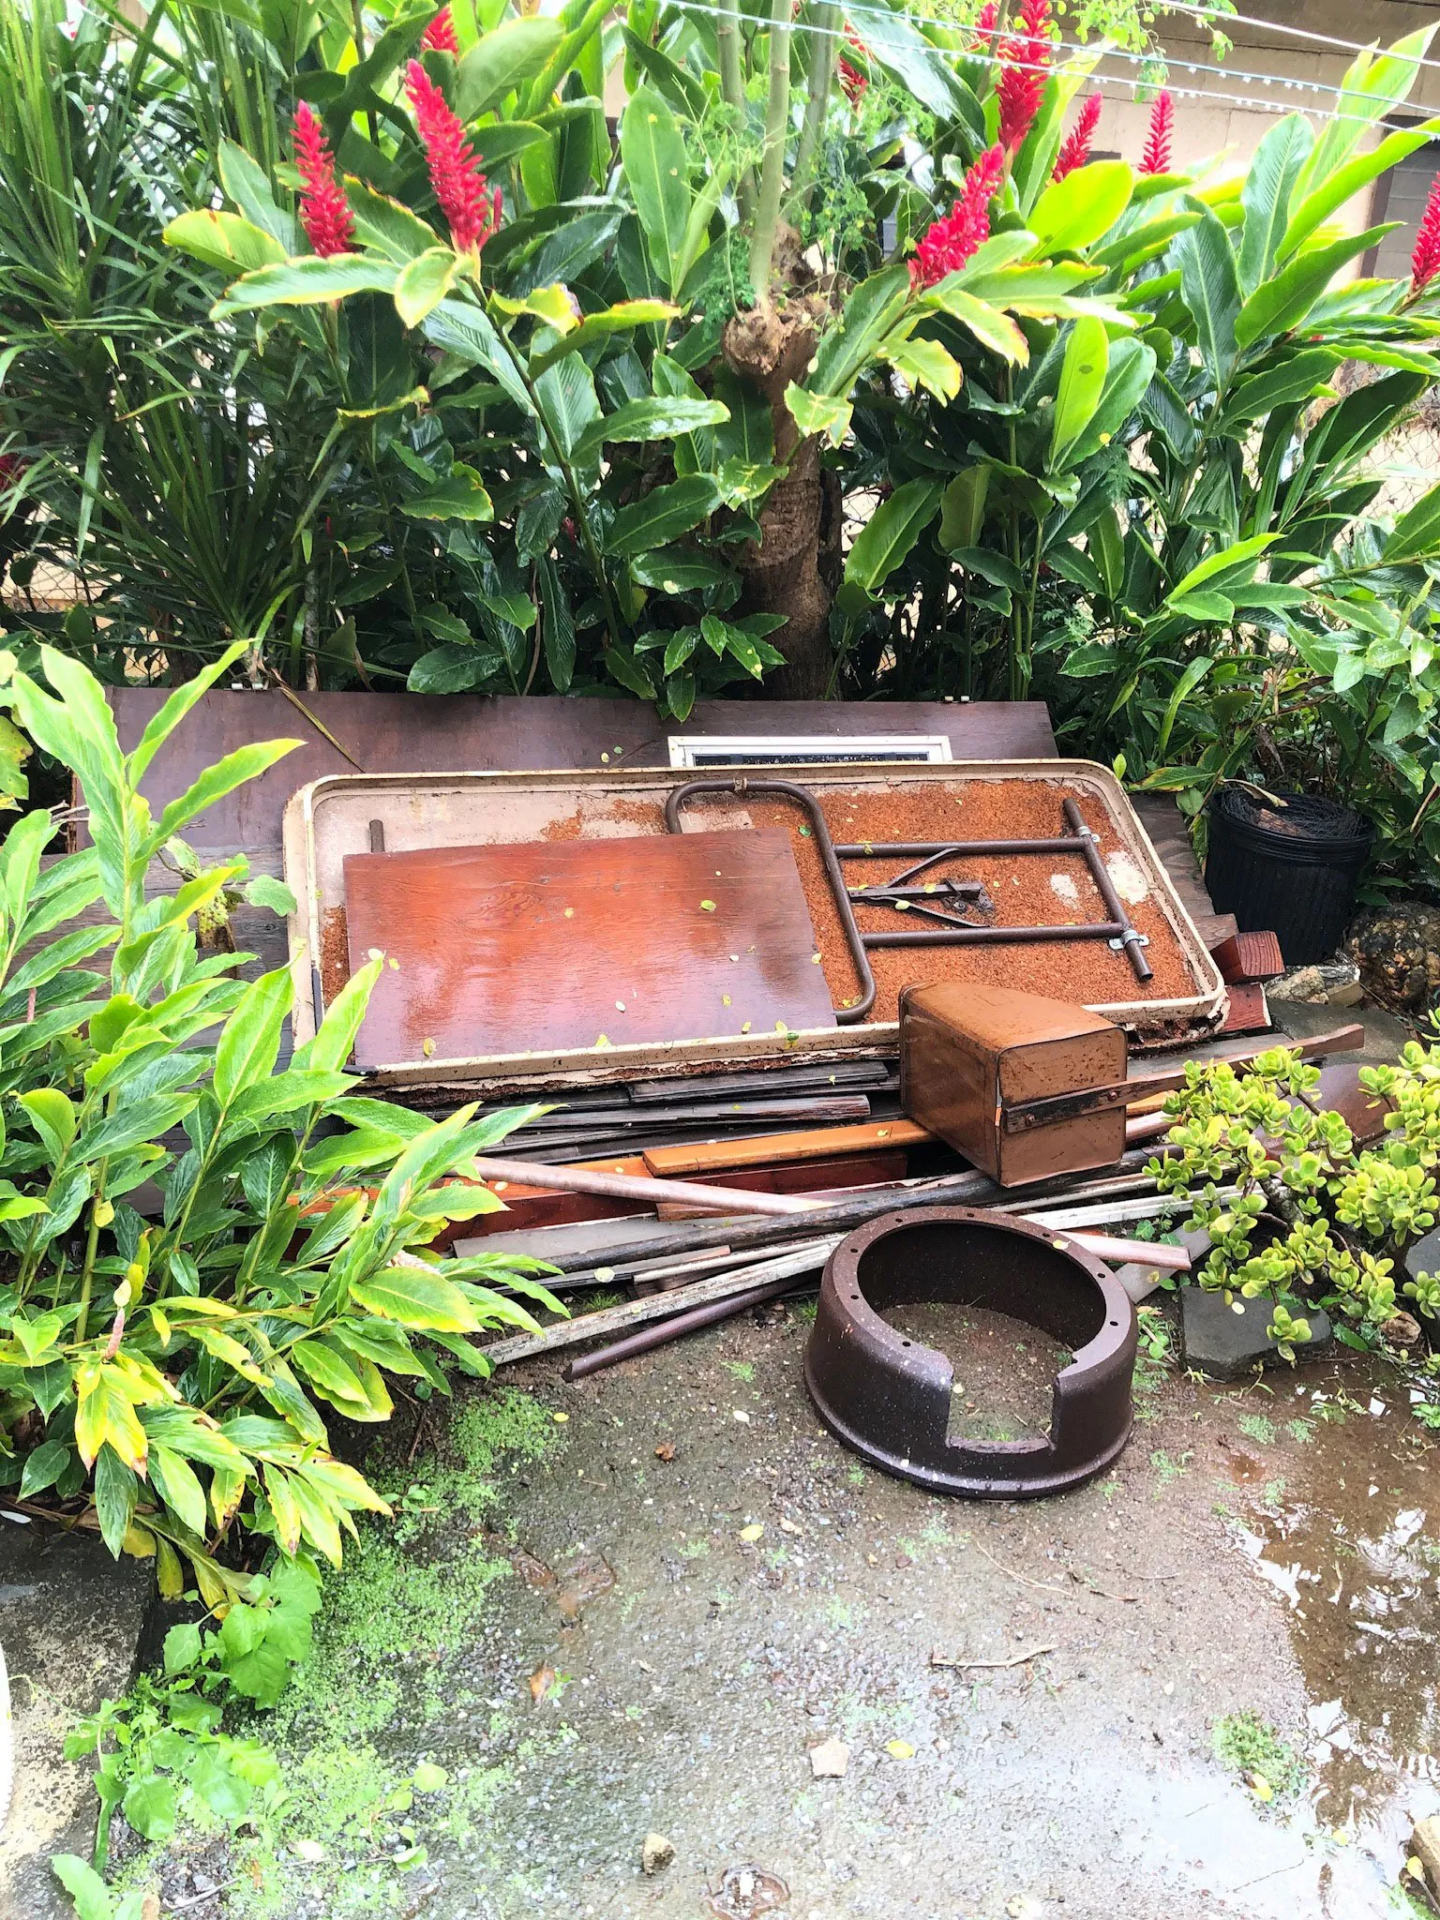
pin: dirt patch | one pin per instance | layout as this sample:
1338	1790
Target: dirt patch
1004	1369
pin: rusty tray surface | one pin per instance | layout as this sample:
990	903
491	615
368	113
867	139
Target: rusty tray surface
330	819
888	1398
574	941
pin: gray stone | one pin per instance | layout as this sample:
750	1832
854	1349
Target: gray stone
1227	1342
1425	1847
1424	1256
1333	983
1385	1034
70	1621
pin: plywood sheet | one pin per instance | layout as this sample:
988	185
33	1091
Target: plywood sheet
543	946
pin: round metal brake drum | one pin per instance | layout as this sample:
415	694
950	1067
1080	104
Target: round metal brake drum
888	1398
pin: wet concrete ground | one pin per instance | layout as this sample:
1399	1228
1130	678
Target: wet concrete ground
1248	1554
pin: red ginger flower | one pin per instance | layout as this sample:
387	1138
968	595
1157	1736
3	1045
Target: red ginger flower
439	36
1425	255
466	201
1075	150
1157	141
985	23
851	78
324	211
949	243
1024	59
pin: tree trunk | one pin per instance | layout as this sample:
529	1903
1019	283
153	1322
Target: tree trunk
781	571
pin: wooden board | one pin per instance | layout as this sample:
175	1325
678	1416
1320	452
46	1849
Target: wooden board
556	944
778	1149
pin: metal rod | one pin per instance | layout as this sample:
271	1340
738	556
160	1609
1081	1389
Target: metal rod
635	1186
741	785
661	1333
994	936
961	849
1132	939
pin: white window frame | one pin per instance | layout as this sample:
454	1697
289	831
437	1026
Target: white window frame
701	750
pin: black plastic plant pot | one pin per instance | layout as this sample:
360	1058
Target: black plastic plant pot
888	1398
1291	869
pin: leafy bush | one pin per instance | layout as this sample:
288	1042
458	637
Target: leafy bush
163	1375
1298	1214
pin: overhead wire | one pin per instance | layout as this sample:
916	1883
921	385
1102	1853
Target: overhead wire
856	12
1280	26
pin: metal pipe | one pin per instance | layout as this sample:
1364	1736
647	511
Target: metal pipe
1131	937
662	1332
995	936
741	785
634	1186
962	849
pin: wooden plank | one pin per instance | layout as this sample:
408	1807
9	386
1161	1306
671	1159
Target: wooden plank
1165	824
820	1143
1247	957
416	733
659	937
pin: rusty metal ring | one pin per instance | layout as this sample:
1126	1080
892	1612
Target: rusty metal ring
888	1398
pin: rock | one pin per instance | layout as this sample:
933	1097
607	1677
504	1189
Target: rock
1334	984
829	1760
1227	1342
656	1854
1425	1847
1140	1281
1401	1330
1397	948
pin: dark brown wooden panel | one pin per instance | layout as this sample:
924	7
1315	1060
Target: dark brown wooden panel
550	945
456	733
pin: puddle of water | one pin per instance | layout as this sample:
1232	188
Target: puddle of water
1345	1531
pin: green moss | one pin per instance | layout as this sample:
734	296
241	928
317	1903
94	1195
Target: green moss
1256	1427
1249	1746
410	1592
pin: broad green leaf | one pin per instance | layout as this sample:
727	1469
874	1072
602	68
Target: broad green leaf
869	312
223	240
623	317
1265	196
925	363
657	172
175	1480
815	413
514	51
387	224
1240	558
174	709
891	531
991	327
555	305
43	1467
250	1039
53	1118
423	282
1128	373
1374	84
1071	214
234	770
1082	381
1292	379
749	433
116	1492
660	419
1416	534
333	1377
463	329
928	72
423	1300
1210	289
994	567
308	281
663	515
1280	304
461	497
962	508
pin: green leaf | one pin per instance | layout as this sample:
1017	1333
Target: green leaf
1293	378
1374	84
1278	305
461	497
116	1491
423	282
662	515
1210	289
174	1479
246	182
234	770
223	240
150	1807
990	566
424	1301
250	1040
1208	609
1239	559
459	327
1416	534
1082	380
623	317
991	327
817	414
649	420
388	225
333	1043
43	1467
962	508
92	1897
925	363
53	1118
1128	373
657	172
500	60
749	433
621	665
1071	214
870	311
329	1373
1265	196
892	530
927	72
182	1646
271	894
308	281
